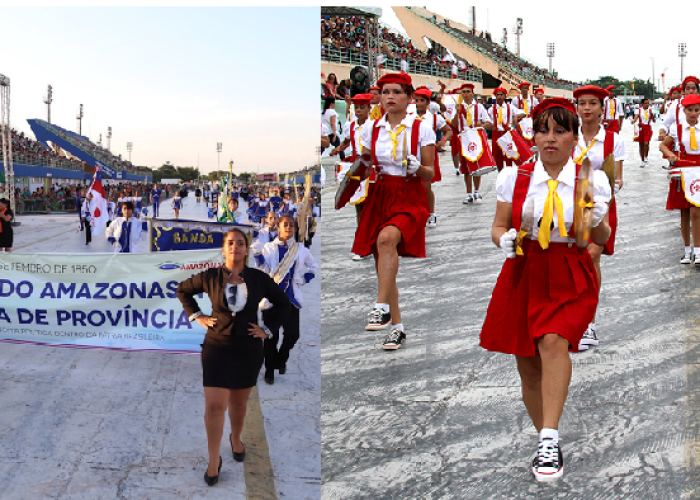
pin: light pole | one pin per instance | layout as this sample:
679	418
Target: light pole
79	117
518	30
682	52
48	100
109	138
550	54
653	76
218	155
129	148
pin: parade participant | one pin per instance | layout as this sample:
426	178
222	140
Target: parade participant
290	265
85	217
526	103
274	200
267	234
613	112
329	118
539	95
596	143
176	204
502	116
155	199
421	96
288	206
233	214
232	353
124	233
376	109
644	116
671	98
198	194
6	233
468	114
393	219
544	299
684	135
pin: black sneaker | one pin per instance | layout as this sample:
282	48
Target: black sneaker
378	320
394	340
548	465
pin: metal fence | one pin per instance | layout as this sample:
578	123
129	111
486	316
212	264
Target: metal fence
356	58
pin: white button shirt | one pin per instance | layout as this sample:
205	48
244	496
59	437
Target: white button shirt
617	109
385	157
430	118
686	137
507	108
358	131
670	118
645	115
538	190
595	154
481	116
531	103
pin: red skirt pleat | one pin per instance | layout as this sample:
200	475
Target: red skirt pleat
394	201
676	197
544	291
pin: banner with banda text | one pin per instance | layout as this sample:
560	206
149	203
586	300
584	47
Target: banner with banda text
178	234
118	301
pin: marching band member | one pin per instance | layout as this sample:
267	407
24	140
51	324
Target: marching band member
613	112
393	220
155	199
596	143
685	136
125	232
525	103
176	204
644	116
502	116
539	95
376	111
544	299
672	98
436	121
468	114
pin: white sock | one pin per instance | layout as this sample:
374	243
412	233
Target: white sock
687	250
399	327
549	433
433	214
383	307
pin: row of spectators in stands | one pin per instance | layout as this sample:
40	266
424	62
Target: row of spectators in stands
26	151
97	151
503	55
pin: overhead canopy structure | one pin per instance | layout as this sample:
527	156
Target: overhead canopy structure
371	13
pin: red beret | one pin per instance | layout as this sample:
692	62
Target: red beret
423	92
467	86
690	99
690	79
523	84
610	87
500	89
675	89
401	78
553	102
362	99
374	88
591	89
539	91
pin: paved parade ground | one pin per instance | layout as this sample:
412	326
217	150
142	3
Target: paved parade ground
101	424
441	418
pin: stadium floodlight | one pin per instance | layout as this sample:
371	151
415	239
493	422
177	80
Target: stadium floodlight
129	148
6	140
518	30
218	154
79	117
48	100
504	38
682	52
550	54
109	138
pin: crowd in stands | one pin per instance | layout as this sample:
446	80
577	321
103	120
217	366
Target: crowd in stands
350	35
482	42
26	151
95	150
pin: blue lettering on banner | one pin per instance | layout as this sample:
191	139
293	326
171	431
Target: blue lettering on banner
4	316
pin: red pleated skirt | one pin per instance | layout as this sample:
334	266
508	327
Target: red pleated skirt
676	197
438	176
645	133
394	201
544	291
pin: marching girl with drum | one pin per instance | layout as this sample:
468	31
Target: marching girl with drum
392	222
547	290
596	143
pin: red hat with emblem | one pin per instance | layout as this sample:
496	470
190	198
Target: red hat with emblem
400	78
592	90
553	102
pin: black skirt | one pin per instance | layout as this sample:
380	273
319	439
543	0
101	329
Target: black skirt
233	363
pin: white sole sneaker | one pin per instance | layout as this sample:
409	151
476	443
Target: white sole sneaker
582	347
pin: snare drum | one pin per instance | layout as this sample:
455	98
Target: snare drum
477	152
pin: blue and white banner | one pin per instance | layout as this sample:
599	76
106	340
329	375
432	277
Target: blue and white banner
177	234
117	301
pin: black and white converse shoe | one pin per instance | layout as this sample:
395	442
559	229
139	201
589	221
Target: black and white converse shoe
548	465
394	340
378	320
589	338
686	259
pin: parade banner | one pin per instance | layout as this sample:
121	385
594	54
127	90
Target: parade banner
116	301
177	234
690	179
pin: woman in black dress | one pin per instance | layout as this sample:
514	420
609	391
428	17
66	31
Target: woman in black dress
6	216
232	352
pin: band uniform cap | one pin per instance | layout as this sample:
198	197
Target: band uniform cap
500	89
553	102
523	84
362	99
591	89
467	86
423	92
690	79
690	99
400	78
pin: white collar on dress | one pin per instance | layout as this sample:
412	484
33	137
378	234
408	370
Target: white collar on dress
566	176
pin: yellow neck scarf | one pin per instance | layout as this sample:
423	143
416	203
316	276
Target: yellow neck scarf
395	139
579	159
552	201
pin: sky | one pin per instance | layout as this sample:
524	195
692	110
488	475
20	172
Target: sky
592	39
174	81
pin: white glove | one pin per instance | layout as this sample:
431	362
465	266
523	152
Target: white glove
617	187
507	243
600	208
412	164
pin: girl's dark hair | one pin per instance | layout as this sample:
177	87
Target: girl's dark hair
335	78
561	116
239	231
5	201
327	103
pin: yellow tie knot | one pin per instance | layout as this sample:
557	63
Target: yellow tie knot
550	203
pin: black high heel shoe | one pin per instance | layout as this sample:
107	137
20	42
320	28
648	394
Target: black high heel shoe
212	480
238	457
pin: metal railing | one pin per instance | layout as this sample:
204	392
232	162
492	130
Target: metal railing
356	58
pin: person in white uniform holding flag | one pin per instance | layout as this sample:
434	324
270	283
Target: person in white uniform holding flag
125	232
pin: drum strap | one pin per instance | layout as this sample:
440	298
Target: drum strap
352	138
609	144
680	131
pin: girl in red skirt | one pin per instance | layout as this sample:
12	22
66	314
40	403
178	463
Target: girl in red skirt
544	298
684	135
392	222
596	143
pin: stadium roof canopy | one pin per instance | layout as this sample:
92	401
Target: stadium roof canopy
351	11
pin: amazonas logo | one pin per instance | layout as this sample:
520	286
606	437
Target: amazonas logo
169	266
